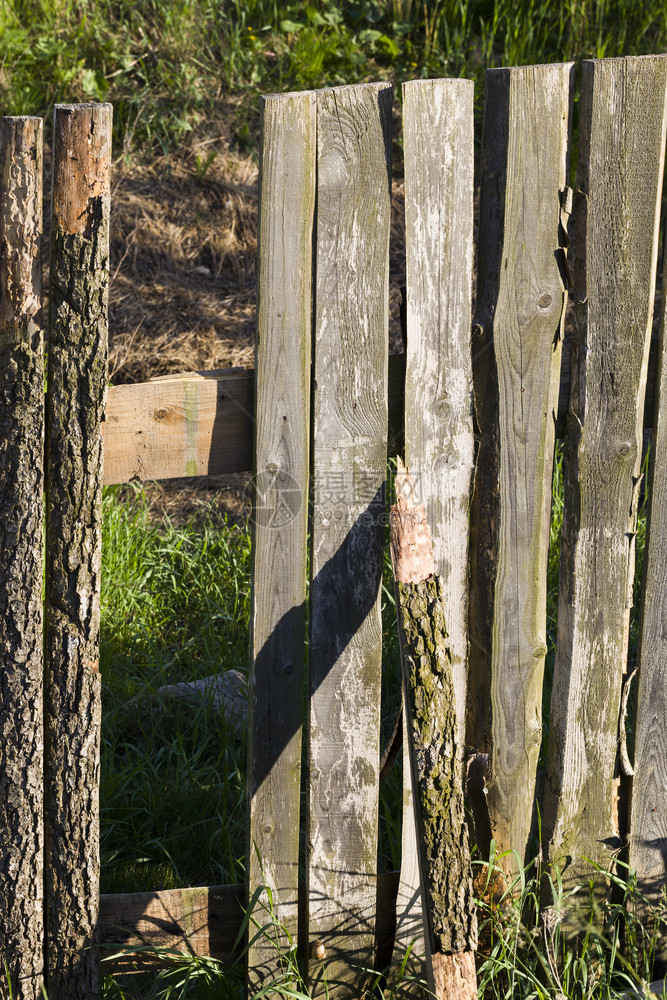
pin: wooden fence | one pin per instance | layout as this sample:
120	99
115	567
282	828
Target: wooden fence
475	405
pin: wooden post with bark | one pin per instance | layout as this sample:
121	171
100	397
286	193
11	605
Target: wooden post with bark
21	569
437	777
77	378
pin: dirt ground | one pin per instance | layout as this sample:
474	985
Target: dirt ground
182	298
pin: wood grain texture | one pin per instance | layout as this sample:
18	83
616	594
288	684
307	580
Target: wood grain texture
142	441
439	444
616	215
280	518
21	567
195	425
349	456
519	321
77	378
199	921
648	805
411	936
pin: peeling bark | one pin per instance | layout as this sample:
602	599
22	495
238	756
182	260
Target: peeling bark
437	770
77	376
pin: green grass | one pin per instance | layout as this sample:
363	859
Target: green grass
174	607
170	66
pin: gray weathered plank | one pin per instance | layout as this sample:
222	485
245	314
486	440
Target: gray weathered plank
439	445
280	511
648	809
411	950
619	181
21	568
77	379
349	453
519	321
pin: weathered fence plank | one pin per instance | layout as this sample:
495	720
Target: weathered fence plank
616	215
517	353
648	809
411	947
349	455
21	569
77	376
280	516
439	166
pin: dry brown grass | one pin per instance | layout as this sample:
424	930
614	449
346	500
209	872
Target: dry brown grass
183	267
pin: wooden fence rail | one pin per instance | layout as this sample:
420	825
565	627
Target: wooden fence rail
475	406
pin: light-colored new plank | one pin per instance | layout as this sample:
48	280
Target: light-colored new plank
280	515
350	452
648	812
199	921
194	426
622	134
519	319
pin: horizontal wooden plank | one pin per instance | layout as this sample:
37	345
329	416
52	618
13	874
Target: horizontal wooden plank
201	423
201	921
197	425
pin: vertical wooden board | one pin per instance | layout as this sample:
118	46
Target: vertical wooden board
439	444
21	568
77	379
521	304
648	808
411	936
619	181
280	510
439	165
349	455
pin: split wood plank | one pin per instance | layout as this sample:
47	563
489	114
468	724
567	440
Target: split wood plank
517	354
349	459
439	443
411	946
77	379
648	804
616	216
280	523
21	568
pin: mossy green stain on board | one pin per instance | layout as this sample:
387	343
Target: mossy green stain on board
191	408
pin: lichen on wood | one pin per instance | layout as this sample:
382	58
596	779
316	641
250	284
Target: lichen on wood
437	769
